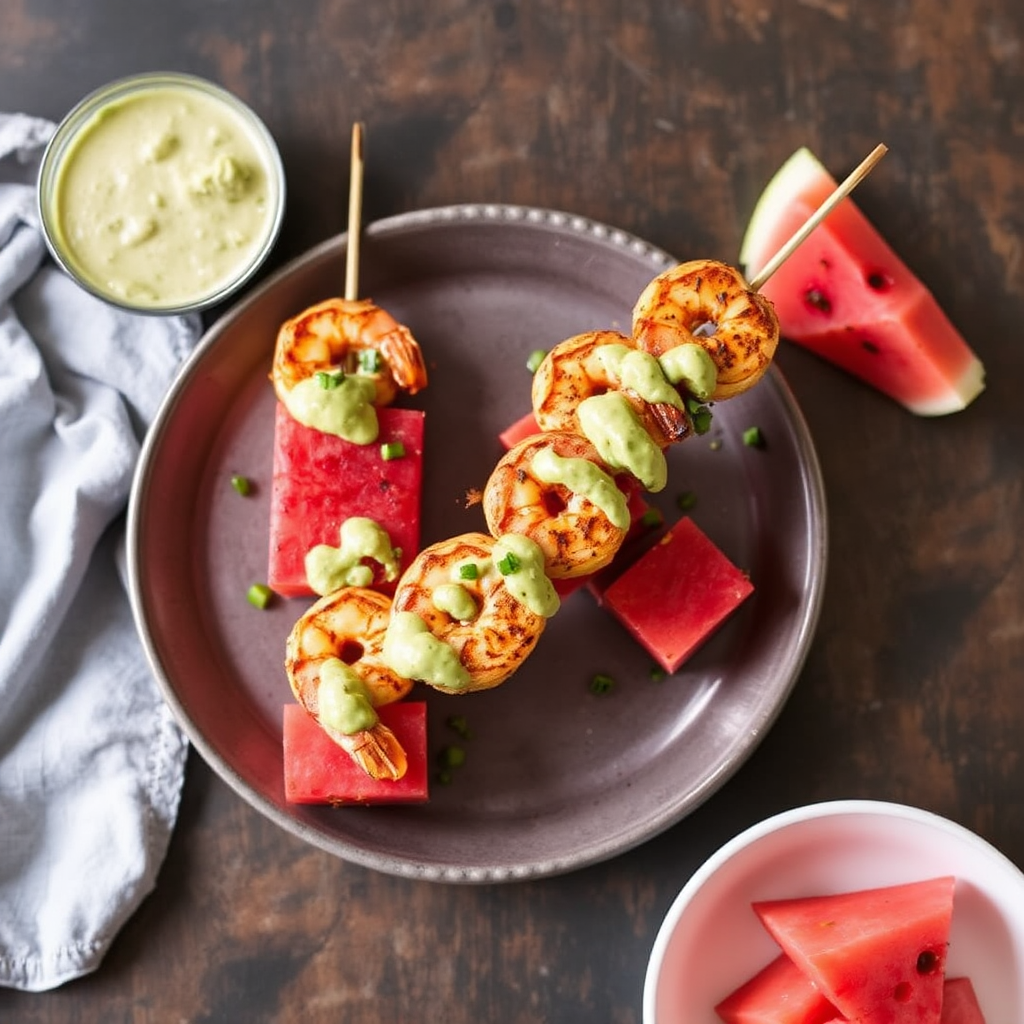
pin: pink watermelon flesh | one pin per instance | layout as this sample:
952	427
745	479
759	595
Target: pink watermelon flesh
846	295
879	955
960	1003
321	480
780	993
318	771
677	594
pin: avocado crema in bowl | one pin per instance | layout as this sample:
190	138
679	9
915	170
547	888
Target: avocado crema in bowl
161	193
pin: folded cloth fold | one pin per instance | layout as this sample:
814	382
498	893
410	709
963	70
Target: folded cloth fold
91	760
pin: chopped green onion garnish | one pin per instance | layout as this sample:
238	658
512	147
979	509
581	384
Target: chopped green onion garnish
701	417
535	358
369	361
328	380
652	517
458	724
392	450
241	484
657	674
451	757
259	595
601	684
508	564
753	438
469	571
686	500
444	777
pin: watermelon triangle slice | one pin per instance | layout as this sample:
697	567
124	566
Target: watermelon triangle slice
879	955
847	296
780	993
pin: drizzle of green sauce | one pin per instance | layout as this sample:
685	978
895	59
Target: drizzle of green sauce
691	366
345	410
529	583
614	429
455	600
640	372
581	476
411	650
344	699
328	568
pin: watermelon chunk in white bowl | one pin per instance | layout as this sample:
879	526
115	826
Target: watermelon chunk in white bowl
845	295
711	939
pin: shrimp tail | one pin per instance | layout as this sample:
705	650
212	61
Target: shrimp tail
405	358
376	750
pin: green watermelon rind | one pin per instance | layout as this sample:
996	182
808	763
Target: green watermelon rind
800	172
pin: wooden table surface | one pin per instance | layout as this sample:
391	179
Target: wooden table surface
664	118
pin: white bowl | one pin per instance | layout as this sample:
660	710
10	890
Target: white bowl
711	941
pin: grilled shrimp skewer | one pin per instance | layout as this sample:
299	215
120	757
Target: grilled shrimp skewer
591	365
336	670
353	336
709	304
468	611
553	488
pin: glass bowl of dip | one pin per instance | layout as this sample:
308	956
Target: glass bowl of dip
161	193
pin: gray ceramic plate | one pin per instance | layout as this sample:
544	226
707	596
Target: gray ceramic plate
556	778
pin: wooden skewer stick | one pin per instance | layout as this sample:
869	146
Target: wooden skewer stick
355	206
842	191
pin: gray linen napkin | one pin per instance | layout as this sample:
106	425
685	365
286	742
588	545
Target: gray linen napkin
91	760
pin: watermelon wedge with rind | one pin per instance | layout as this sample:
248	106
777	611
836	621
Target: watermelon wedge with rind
846	295
878	955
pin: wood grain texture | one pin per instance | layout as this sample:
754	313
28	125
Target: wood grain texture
665	118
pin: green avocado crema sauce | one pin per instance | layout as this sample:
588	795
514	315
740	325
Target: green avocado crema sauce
344	699
344	408
614	429
583	477
411	650
640	372
692	367
163	196
455	600
328	568
528	583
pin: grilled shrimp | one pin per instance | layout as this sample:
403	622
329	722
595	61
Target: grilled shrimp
554	488
709	303
353	336
336	669
464	617
591	364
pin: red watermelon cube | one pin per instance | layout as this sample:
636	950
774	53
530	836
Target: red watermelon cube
318	771
320	480
677	594
960	1003
879	955
525	426
780	993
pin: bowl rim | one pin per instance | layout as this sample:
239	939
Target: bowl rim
776	823
78	117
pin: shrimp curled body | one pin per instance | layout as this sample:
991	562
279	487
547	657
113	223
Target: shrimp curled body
352	335
348	626
578	533
709	303
575	370
500	631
